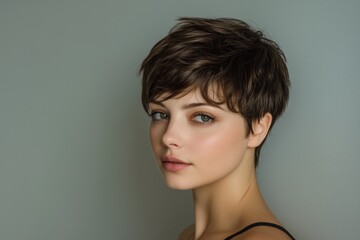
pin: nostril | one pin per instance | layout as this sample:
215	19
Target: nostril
170	143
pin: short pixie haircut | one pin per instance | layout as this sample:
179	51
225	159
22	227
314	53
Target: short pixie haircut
247	70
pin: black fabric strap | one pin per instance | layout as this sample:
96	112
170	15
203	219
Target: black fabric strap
260	224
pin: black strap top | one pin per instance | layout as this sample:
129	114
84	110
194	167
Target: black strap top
260	224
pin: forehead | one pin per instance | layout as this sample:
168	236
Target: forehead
188	100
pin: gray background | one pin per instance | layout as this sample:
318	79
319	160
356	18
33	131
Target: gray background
75	160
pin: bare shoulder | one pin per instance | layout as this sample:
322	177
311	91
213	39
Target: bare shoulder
187	233
263	233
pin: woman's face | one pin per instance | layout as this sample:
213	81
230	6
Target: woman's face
196	143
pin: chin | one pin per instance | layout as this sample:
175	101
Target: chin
177	185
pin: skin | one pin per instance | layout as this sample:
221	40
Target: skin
221	174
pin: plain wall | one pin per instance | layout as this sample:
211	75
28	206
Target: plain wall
75	159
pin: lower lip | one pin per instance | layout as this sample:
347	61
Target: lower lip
174	166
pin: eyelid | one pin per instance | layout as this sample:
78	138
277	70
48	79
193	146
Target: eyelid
210	116
154	112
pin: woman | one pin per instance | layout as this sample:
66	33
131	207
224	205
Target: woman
214	88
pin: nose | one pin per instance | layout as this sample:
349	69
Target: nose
173	135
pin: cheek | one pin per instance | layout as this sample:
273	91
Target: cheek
155	137
225	146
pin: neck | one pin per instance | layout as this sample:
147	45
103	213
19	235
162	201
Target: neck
223	205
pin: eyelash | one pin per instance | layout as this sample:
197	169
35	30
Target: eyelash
199	114
152	115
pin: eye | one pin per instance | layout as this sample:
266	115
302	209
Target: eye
158	116
203	118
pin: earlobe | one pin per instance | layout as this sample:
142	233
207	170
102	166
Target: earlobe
260	130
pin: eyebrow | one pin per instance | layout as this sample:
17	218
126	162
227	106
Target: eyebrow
192	105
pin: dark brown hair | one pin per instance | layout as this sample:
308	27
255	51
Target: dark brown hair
247	69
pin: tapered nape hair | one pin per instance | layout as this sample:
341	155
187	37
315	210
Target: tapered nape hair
247	70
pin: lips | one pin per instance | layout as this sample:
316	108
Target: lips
173	164
172	159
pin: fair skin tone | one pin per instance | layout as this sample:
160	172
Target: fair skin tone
220	170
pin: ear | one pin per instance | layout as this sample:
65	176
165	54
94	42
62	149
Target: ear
260	130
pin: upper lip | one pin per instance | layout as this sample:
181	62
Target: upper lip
174	160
